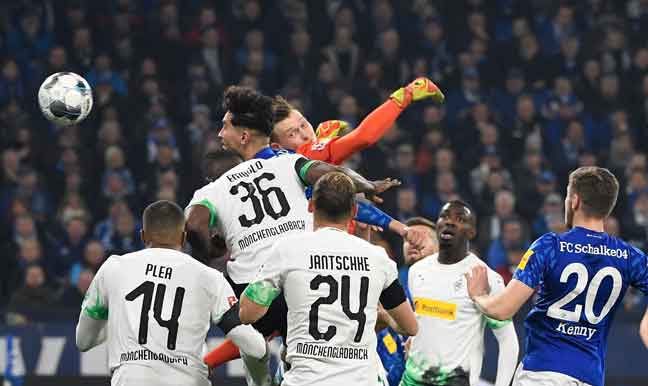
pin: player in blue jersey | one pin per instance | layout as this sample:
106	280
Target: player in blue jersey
581	276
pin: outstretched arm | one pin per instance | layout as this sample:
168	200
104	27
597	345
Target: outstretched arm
500	306
310	171
199	218
379	121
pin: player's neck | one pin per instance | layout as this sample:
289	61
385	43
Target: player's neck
593	224
253	148
164	245
452	255
319	223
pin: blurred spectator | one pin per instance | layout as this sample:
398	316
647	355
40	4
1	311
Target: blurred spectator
491	226
71	246
551	208
73	296
125	238
512	237
28	302
93	256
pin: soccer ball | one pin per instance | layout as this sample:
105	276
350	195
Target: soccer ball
65	98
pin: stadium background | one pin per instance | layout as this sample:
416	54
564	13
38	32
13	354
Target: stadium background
534	89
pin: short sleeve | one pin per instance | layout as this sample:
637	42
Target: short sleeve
531	269
391	271
638	266
302	165
95	302
204	197
267	284
393	293
222	294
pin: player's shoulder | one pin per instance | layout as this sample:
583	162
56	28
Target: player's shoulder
547	240
424	264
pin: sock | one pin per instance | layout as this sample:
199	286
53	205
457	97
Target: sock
227	351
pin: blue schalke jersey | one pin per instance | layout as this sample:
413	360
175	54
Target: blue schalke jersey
581	277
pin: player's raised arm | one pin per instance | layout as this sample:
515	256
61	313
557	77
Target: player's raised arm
310	171
199	218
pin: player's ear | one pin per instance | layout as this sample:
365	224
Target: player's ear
472	232
143	237
311	206
245	136
184	238
575	201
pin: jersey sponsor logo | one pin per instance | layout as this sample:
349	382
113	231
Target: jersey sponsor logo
566	329
525	259
435	308
389	343
590	249
232	300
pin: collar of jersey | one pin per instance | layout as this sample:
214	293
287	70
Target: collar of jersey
268	152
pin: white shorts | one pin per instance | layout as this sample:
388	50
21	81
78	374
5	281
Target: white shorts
544	378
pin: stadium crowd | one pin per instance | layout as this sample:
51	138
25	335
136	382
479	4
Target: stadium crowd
533	90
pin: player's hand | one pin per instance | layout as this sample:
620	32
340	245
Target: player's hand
415	237
331	129
381	186
477	281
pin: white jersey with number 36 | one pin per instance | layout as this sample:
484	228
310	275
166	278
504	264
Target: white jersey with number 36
158	304
253	205
332	282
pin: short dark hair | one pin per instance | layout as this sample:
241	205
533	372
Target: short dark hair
249	108
163	217
420	221
597	189
334	196
281	110
466	205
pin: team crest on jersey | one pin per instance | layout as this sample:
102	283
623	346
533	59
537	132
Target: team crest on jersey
319	145
458	285
232	300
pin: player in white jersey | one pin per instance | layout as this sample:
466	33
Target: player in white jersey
155	306
449	347
259	201
332	282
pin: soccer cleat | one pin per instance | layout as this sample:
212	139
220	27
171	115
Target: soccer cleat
420	88
330	129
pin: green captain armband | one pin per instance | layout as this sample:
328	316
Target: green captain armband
304	169
495	324
212	211
261	292
97	311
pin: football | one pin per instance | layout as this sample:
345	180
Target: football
65	98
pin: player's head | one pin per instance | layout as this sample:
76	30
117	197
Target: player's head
216	163
163	224
248	119
456	225
333	199
591	194
291	129
430	244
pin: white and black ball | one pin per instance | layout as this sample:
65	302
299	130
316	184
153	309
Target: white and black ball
65	98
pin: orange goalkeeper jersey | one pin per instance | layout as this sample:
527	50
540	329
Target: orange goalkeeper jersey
332	148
